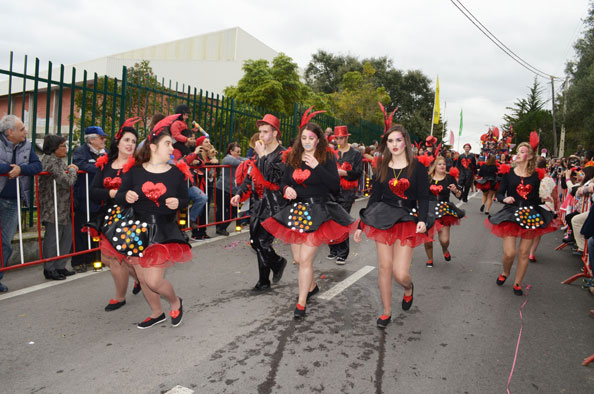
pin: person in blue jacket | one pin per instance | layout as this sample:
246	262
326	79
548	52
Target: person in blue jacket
85	157
17	158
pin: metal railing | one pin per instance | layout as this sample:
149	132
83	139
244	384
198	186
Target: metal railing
64	100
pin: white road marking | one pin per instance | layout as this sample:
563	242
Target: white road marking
45	285
471	196
333	292
180	390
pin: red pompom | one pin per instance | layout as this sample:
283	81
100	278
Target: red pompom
375	161
101	161
454	172
129	164
286	155
541	173
185	169
480	163
425	160
504	169
534	140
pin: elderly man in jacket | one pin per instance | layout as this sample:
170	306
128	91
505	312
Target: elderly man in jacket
17	158
85	157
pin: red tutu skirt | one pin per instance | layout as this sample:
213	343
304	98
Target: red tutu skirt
405	232
329	232
511	229
447	221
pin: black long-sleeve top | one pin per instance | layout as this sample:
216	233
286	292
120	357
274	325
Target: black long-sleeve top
313	182
438	190
153	189
488	172
466	162
104	181
523	190
270	166
355	162
417	192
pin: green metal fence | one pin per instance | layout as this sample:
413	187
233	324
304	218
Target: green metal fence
70	103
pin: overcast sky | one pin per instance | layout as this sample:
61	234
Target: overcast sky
430	35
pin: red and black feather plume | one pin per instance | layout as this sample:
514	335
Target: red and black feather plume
387	119
534	140
128	123
308	116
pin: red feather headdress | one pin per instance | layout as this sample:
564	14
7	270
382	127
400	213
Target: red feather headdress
308	116
128	123
387	119
162	125
534	140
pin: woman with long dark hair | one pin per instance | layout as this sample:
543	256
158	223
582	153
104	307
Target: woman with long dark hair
396	215
487	182
521	217
442	213
147	234
103	190
310	218
54	207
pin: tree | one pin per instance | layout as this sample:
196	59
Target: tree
103	107
358	97
410	91
528	114
579	119
276	87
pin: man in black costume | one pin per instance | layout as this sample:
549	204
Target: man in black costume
467	166
350	167
266	199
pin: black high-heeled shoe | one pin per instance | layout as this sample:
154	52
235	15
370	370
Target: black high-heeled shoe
407	304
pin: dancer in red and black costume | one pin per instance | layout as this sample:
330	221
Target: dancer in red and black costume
266	199
106	182
311	218
521	217
487	182
350	168
442	213
144	230
467	166
396	215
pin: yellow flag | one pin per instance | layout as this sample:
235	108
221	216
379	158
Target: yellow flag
436	105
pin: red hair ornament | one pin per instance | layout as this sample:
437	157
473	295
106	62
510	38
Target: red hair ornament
128	123
308	116
387	119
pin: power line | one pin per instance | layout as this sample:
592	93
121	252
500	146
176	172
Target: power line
474	20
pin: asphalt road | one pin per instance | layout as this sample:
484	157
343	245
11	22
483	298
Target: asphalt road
459	336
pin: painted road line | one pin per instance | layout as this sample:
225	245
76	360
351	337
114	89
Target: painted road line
333	292
47	284
471	196
180	390
42	286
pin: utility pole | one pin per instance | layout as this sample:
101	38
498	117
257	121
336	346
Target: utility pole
555	150
562	139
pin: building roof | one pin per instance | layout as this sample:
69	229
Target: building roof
210	62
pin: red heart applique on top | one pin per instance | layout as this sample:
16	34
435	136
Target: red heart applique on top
112	183
153	192
399	186
345	166
435	189
300	175
524	190
465	162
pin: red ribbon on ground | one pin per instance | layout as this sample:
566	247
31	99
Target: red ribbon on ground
511	373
